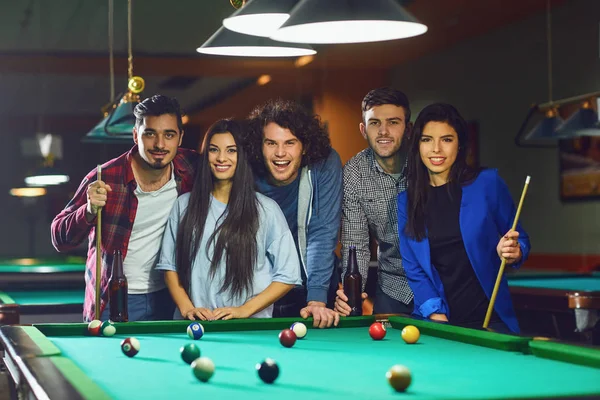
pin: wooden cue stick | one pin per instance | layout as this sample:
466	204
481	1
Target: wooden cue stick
98	251
488	314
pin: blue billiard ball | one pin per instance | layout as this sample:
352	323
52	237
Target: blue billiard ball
195	330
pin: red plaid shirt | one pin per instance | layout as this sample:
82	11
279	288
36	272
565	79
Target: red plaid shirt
70	227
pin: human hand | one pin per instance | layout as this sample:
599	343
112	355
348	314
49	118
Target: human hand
203	314
96	197
341	302
226	313
439	317
509	247
323	317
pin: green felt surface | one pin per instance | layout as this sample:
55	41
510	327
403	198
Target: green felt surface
44	268
587	283
337	363
43	297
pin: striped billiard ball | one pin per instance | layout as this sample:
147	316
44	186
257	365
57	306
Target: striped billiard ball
130	346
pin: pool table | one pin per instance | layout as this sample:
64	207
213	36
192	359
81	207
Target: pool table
60	361
38	290
561	305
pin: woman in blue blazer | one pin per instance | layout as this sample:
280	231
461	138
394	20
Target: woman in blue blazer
455	223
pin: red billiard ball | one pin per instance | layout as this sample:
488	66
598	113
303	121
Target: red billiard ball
130	346
377	331
287	338
94	327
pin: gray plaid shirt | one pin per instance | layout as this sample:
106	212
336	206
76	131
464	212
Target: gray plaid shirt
370	204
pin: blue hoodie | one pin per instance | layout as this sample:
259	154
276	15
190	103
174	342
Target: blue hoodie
314	216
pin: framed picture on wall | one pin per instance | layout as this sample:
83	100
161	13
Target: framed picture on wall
473	150
580	168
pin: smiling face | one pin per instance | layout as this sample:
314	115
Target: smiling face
282	153
384	127
158	138
438	148
222	156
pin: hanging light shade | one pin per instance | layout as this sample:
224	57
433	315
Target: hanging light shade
348	21
228	43
47	174
118	122
545	130
583	122
260	17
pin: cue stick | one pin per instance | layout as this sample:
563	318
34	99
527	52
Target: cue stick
98	251
488	314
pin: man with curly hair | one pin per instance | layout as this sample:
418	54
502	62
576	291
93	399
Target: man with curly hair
295	165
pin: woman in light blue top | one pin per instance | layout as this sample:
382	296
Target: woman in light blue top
227	251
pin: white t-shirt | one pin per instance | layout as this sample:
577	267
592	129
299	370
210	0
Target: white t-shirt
146	236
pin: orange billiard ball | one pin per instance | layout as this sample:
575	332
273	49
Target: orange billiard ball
377	331
410	334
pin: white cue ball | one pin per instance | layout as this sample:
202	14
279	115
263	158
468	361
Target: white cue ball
299	329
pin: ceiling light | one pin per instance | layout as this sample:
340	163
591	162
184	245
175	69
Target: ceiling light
28	192
348	21
228	43
260	17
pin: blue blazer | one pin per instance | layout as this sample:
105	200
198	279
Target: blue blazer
486	213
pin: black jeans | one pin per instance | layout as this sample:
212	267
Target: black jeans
290	304
384	304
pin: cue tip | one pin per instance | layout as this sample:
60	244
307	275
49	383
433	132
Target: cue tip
527	180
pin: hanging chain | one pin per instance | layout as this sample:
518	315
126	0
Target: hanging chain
130	58
549	42
111	49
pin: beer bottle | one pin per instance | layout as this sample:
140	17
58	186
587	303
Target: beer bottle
117	290
353	284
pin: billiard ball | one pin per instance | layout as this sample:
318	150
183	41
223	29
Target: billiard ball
189	352
410	334
377	331
268	370
108	328
130	346
287	338
398	377
203	368
195	330
299	329
94	327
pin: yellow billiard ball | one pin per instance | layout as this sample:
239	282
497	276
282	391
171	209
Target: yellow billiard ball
410	334
399	377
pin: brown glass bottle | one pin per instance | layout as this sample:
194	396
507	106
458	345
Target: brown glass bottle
353	284
117	290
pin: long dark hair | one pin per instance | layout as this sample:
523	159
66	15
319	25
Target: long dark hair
418	177
236	230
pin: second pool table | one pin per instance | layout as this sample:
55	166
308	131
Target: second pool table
561	305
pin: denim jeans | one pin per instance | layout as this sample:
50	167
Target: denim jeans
155	306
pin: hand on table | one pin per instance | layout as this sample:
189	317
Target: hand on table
509	247
226	313
439	317
341	302
203	314
323	317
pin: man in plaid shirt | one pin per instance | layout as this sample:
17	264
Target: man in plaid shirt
372	181
136	193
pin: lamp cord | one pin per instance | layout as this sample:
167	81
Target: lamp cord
549	43
111	49
130	58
